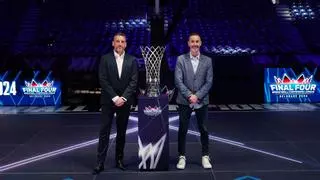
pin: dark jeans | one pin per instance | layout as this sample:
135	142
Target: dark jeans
121	122
184	118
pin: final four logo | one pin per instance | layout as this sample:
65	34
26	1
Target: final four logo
152	111
35	89
288	87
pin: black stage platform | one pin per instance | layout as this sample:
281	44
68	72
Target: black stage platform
265	144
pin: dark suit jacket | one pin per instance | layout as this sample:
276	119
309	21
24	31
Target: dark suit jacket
110	82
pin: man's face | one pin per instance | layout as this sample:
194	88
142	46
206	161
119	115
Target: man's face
194	44
119	44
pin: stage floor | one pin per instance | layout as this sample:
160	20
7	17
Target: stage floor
244	145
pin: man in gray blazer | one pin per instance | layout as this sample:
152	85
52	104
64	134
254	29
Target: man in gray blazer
193	79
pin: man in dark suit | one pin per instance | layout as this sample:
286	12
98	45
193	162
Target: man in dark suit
193	79
118	77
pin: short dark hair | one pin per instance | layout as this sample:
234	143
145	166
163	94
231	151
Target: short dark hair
194	34
120	34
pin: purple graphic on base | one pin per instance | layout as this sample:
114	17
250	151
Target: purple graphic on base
153	136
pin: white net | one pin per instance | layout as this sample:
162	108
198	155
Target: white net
152	58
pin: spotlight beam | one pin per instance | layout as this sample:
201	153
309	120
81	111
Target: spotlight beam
129	131
241	145
215	138
58	152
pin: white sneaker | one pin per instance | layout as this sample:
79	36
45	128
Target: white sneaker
182	162
206	162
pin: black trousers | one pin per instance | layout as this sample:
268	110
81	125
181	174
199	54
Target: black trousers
121	123
184	119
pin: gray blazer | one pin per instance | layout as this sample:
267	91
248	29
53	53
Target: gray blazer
189	83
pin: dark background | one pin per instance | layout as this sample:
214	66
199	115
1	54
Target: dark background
68	37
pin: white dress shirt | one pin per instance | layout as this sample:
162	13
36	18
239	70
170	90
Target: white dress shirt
119	61
195	63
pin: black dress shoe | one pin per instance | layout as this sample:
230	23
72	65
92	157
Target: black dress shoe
99	168
120	165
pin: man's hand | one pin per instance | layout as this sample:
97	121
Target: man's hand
193	99
120	102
